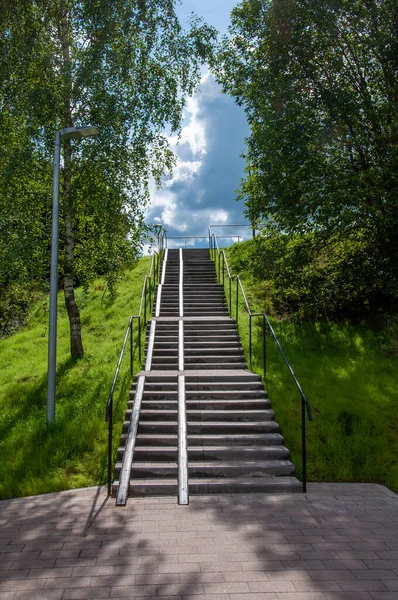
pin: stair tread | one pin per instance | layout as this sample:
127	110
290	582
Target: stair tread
210	463
282	479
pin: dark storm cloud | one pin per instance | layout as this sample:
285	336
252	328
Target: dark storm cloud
202	191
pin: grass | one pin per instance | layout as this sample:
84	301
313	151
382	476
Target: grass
351	383
348	376
35	459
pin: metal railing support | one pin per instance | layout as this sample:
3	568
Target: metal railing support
183	494
267	328
181	286
109	408
124	480
110	440
153	274
180	345
151	342
303	445
264	348
139	340
145	286
131	347
250	340
237	300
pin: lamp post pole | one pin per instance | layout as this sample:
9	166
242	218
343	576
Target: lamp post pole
67	133
52	335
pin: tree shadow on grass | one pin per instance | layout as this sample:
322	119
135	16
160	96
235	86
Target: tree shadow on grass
352	391
39	459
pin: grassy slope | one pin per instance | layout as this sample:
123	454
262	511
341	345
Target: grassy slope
352	388
34	459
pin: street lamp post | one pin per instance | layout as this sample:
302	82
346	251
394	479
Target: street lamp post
67	133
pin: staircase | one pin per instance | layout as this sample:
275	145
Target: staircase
233	441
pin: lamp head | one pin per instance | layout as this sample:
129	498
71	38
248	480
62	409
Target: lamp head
70	133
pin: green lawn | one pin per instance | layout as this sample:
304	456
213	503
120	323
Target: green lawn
35	460
352	386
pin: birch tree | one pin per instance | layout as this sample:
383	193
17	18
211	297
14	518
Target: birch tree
125	66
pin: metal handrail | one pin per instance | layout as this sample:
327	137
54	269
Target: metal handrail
223	225
305	405
152	277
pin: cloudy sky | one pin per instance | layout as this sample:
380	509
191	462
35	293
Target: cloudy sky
209	167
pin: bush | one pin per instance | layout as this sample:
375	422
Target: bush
14	304
307	277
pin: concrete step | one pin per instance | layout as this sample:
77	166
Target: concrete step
230	351
243	485
203	415
211	365
203	427
152	403
226	395
216	468
239	383
195	453
248	440
210	340
170	358
215	362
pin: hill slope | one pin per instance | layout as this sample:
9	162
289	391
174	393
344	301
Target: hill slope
350	380
34	459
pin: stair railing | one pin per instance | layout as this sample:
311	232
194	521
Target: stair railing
222	269
142	318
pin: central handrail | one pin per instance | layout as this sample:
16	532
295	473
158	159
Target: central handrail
148	288
219	255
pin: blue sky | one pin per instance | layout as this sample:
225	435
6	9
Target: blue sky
209	167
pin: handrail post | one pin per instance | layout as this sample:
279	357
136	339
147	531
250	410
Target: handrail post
131	347
265	348
303	445
250	339
230	295
145	301
110	428
223	271
237	300
139	339
150	297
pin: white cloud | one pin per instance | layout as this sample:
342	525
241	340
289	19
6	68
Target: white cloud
219	216
208	168
184	171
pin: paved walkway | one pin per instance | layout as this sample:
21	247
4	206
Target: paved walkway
339	542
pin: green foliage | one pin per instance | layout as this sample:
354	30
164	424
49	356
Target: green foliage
297	278
34	459
319	84
350	377
14	303
126	67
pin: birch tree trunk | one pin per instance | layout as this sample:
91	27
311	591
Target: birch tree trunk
76	344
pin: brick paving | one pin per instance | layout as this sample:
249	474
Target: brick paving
338	542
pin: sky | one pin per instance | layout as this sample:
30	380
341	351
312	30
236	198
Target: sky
209	166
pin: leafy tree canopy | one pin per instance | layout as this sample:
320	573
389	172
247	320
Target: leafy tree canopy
125	66
319	84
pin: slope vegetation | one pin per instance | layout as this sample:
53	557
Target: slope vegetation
349	372
34	459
